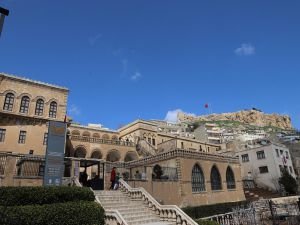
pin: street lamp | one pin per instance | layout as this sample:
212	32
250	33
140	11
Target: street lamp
3	13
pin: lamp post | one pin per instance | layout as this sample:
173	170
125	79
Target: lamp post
3	13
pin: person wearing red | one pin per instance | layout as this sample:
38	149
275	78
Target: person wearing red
112	178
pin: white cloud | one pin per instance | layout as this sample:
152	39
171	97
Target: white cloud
172	115
246	49
74	110
137	75
93	40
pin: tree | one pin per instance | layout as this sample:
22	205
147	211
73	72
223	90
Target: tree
288	182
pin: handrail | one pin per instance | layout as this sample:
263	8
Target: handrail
76	182
166	212
152	149
114	214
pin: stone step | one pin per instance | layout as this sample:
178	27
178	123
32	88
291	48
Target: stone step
160	223
143	221
127	211
140	217
119	201
116	207
139	214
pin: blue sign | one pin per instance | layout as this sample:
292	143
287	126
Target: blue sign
54	166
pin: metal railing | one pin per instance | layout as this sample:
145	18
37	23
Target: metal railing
29	166
168	174
3	158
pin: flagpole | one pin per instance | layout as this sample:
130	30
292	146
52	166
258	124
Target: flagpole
3	13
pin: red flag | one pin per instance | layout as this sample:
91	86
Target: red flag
65	120
206	105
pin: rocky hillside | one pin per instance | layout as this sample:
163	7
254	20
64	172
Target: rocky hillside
250	117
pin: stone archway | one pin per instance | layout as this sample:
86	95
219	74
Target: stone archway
80	152
130	156
113	156
96	154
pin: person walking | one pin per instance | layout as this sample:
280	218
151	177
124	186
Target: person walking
112	178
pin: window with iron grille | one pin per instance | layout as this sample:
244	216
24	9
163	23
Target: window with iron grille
230	178
9	102
215	179
277	152
153	141
53	110
198	181
263	169
260	155
45	138
245	158
22	137
39	108
2	135
24	105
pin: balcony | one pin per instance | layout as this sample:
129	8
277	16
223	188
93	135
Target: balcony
102	141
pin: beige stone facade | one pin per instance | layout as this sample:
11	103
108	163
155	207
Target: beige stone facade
27	106
89	142
195	183
160	141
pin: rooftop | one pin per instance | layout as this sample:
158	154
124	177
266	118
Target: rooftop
32	81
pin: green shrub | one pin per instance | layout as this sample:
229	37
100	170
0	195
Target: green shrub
69	213
206	222
13	196
211	210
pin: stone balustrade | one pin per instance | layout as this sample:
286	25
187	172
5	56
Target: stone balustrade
102	141
182	154
170	213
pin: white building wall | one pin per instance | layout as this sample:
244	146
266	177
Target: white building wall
271	160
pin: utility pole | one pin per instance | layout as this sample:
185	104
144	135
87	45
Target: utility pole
3	14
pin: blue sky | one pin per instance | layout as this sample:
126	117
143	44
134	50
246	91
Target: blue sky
124	60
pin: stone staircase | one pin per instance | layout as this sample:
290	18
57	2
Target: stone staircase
133	211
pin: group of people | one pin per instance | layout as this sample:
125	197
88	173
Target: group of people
114	179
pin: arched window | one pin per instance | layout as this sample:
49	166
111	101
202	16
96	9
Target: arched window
53	110
198	181
24	104
215	179
39	108
9	102
230	178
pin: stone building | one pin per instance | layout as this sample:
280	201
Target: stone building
264	163
192	172
26	106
